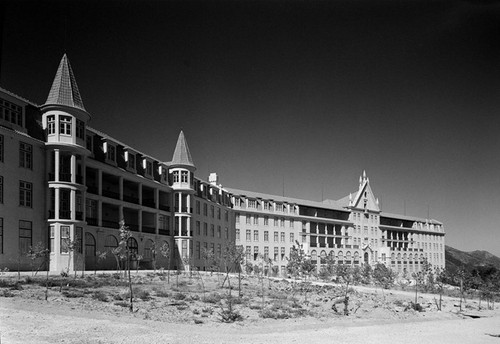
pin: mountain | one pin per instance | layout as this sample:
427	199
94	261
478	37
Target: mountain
470	260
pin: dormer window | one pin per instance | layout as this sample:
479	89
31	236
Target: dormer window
252	203
149	168
65	125
131	161
90	143
163	173
51	125
80	129
110	152
11	112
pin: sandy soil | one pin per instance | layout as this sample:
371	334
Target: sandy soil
30	319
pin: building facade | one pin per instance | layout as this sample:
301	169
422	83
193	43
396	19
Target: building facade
67	186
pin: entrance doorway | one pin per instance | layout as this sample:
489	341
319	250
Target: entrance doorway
366	258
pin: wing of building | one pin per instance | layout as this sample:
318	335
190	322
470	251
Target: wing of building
67	186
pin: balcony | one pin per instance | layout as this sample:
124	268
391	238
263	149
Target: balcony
147	229
65	214
110	224
164	231
164	207
65	177
91	221
111	194
149	203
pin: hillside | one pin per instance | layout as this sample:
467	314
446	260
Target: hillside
456	258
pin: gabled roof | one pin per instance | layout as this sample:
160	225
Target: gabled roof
182	156
64	90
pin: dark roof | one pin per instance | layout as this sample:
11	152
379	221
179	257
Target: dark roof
182	156
64	90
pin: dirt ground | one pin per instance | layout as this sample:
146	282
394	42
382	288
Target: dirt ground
25	317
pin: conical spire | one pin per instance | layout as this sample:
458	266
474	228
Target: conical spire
64	90
182	156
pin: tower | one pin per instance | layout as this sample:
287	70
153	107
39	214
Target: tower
182	175
64	120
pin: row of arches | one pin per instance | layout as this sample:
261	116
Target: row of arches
111	242
340	255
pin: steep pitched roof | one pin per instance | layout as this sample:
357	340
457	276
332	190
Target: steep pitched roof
64	90
182	156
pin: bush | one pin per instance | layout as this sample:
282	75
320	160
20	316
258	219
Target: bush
179	296
122	304
101	296
212	298
160	292
73	293
207	310
230	315
142	294
7	293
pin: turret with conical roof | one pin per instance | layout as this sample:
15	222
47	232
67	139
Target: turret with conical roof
182	156
182	176
65	120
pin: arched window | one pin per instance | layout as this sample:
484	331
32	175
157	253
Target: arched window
148	254
110	243
393	256
132	246
341	255
348	255
89	245
399	256
356	255
323	257
404	257
410	256
314	256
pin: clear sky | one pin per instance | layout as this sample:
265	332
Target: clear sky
306	92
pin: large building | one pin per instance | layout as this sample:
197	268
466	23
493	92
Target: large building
62	181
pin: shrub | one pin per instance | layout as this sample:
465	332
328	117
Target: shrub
179	296
230	315
101	296
212	298
73	293
208	310
142	294
122	304
7	293
198	321
160	292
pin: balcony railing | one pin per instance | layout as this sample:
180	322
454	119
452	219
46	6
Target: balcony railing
147	229
91	221
164	207
65	214
149	203
92	189
111	194
65	177
131	199
110	224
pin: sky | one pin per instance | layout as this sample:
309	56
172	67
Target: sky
293	96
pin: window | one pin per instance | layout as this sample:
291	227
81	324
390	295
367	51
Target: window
282	236
1	189
1	148
25	155
266	221
131	161
212	211
25	194
90	143
11	112
266	205
65	239
80	129
110	154
237	217
218	232
1	235
184	176
282	253
133	247
149	168
110	243
248	220
292	238
256	219
79	239
255	235
252	203
176	176
276	253
198	207
24	236
205	209
226	216
205	229
226	233
51	124
52	236
266	252
279	207
218	213
237	234
212	230
275	222
275	236
248	252
282	222
266	236
65	125
291	223
248	235
198	228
